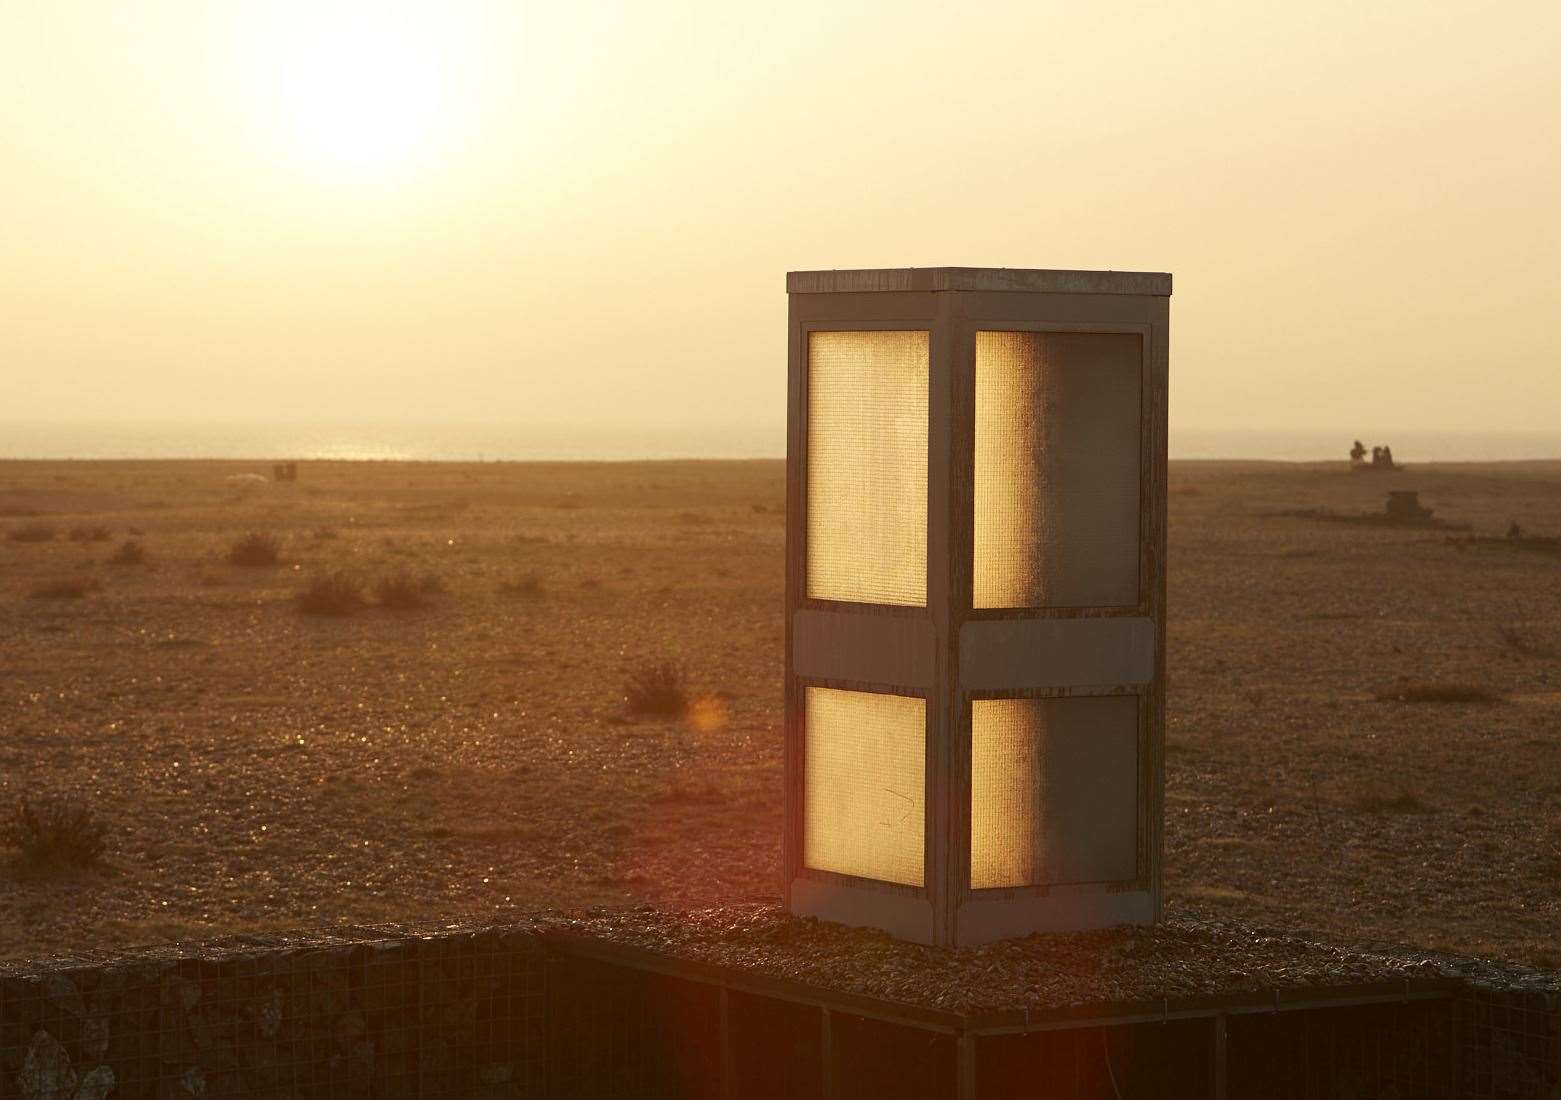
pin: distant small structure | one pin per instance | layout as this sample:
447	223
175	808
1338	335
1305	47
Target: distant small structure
1404	506
1403	509
1381	459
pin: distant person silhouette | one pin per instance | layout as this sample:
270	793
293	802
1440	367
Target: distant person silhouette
1376	456
1387	457
1358	451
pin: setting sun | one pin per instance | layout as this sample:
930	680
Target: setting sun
360	87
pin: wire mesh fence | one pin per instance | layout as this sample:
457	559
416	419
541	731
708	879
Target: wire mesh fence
618	1032
1391	1049
1173	1060
417	1017
511	1013
1511	1043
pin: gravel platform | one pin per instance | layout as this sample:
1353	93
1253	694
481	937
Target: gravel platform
1176	960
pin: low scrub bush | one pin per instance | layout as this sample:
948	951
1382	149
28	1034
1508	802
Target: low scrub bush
31	532
334	594
703	791
1406	691
1402	801
407	591
659	688
66	588
528	584
258	548
1521	640
55	833
130	552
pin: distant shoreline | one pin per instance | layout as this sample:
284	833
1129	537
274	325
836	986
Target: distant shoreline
263	465
669	442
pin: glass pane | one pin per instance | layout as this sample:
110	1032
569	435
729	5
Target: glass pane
867	467
1056	469
1053	791
864	784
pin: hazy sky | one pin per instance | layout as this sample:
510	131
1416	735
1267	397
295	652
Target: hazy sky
574	212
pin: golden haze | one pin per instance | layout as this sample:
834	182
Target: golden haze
577	212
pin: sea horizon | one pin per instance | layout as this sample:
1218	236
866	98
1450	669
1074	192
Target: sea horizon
468	442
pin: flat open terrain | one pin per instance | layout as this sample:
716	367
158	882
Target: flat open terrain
261	768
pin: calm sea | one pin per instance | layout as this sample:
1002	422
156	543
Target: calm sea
514	442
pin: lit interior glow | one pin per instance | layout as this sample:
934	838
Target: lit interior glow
1053	791
867	467
1057	469
864	784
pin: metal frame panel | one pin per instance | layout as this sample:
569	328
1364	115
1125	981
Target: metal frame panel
819	634
1148	283
989	914
1046	652
1225	1014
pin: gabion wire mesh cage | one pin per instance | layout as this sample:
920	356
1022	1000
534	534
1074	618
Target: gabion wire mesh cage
511	1013
452	1015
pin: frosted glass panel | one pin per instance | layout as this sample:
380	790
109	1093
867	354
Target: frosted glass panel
1053	791
1056	469
864	784
867	467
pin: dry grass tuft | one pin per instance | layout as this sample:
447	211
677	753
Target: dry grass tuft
1520	640
130	552
1402	801
528	584
659	688
32	532
256	549
66	588
407	591
704	792
1407	691
55	833
336	594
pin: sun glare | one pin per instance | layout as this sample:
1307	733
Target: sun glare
360	88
